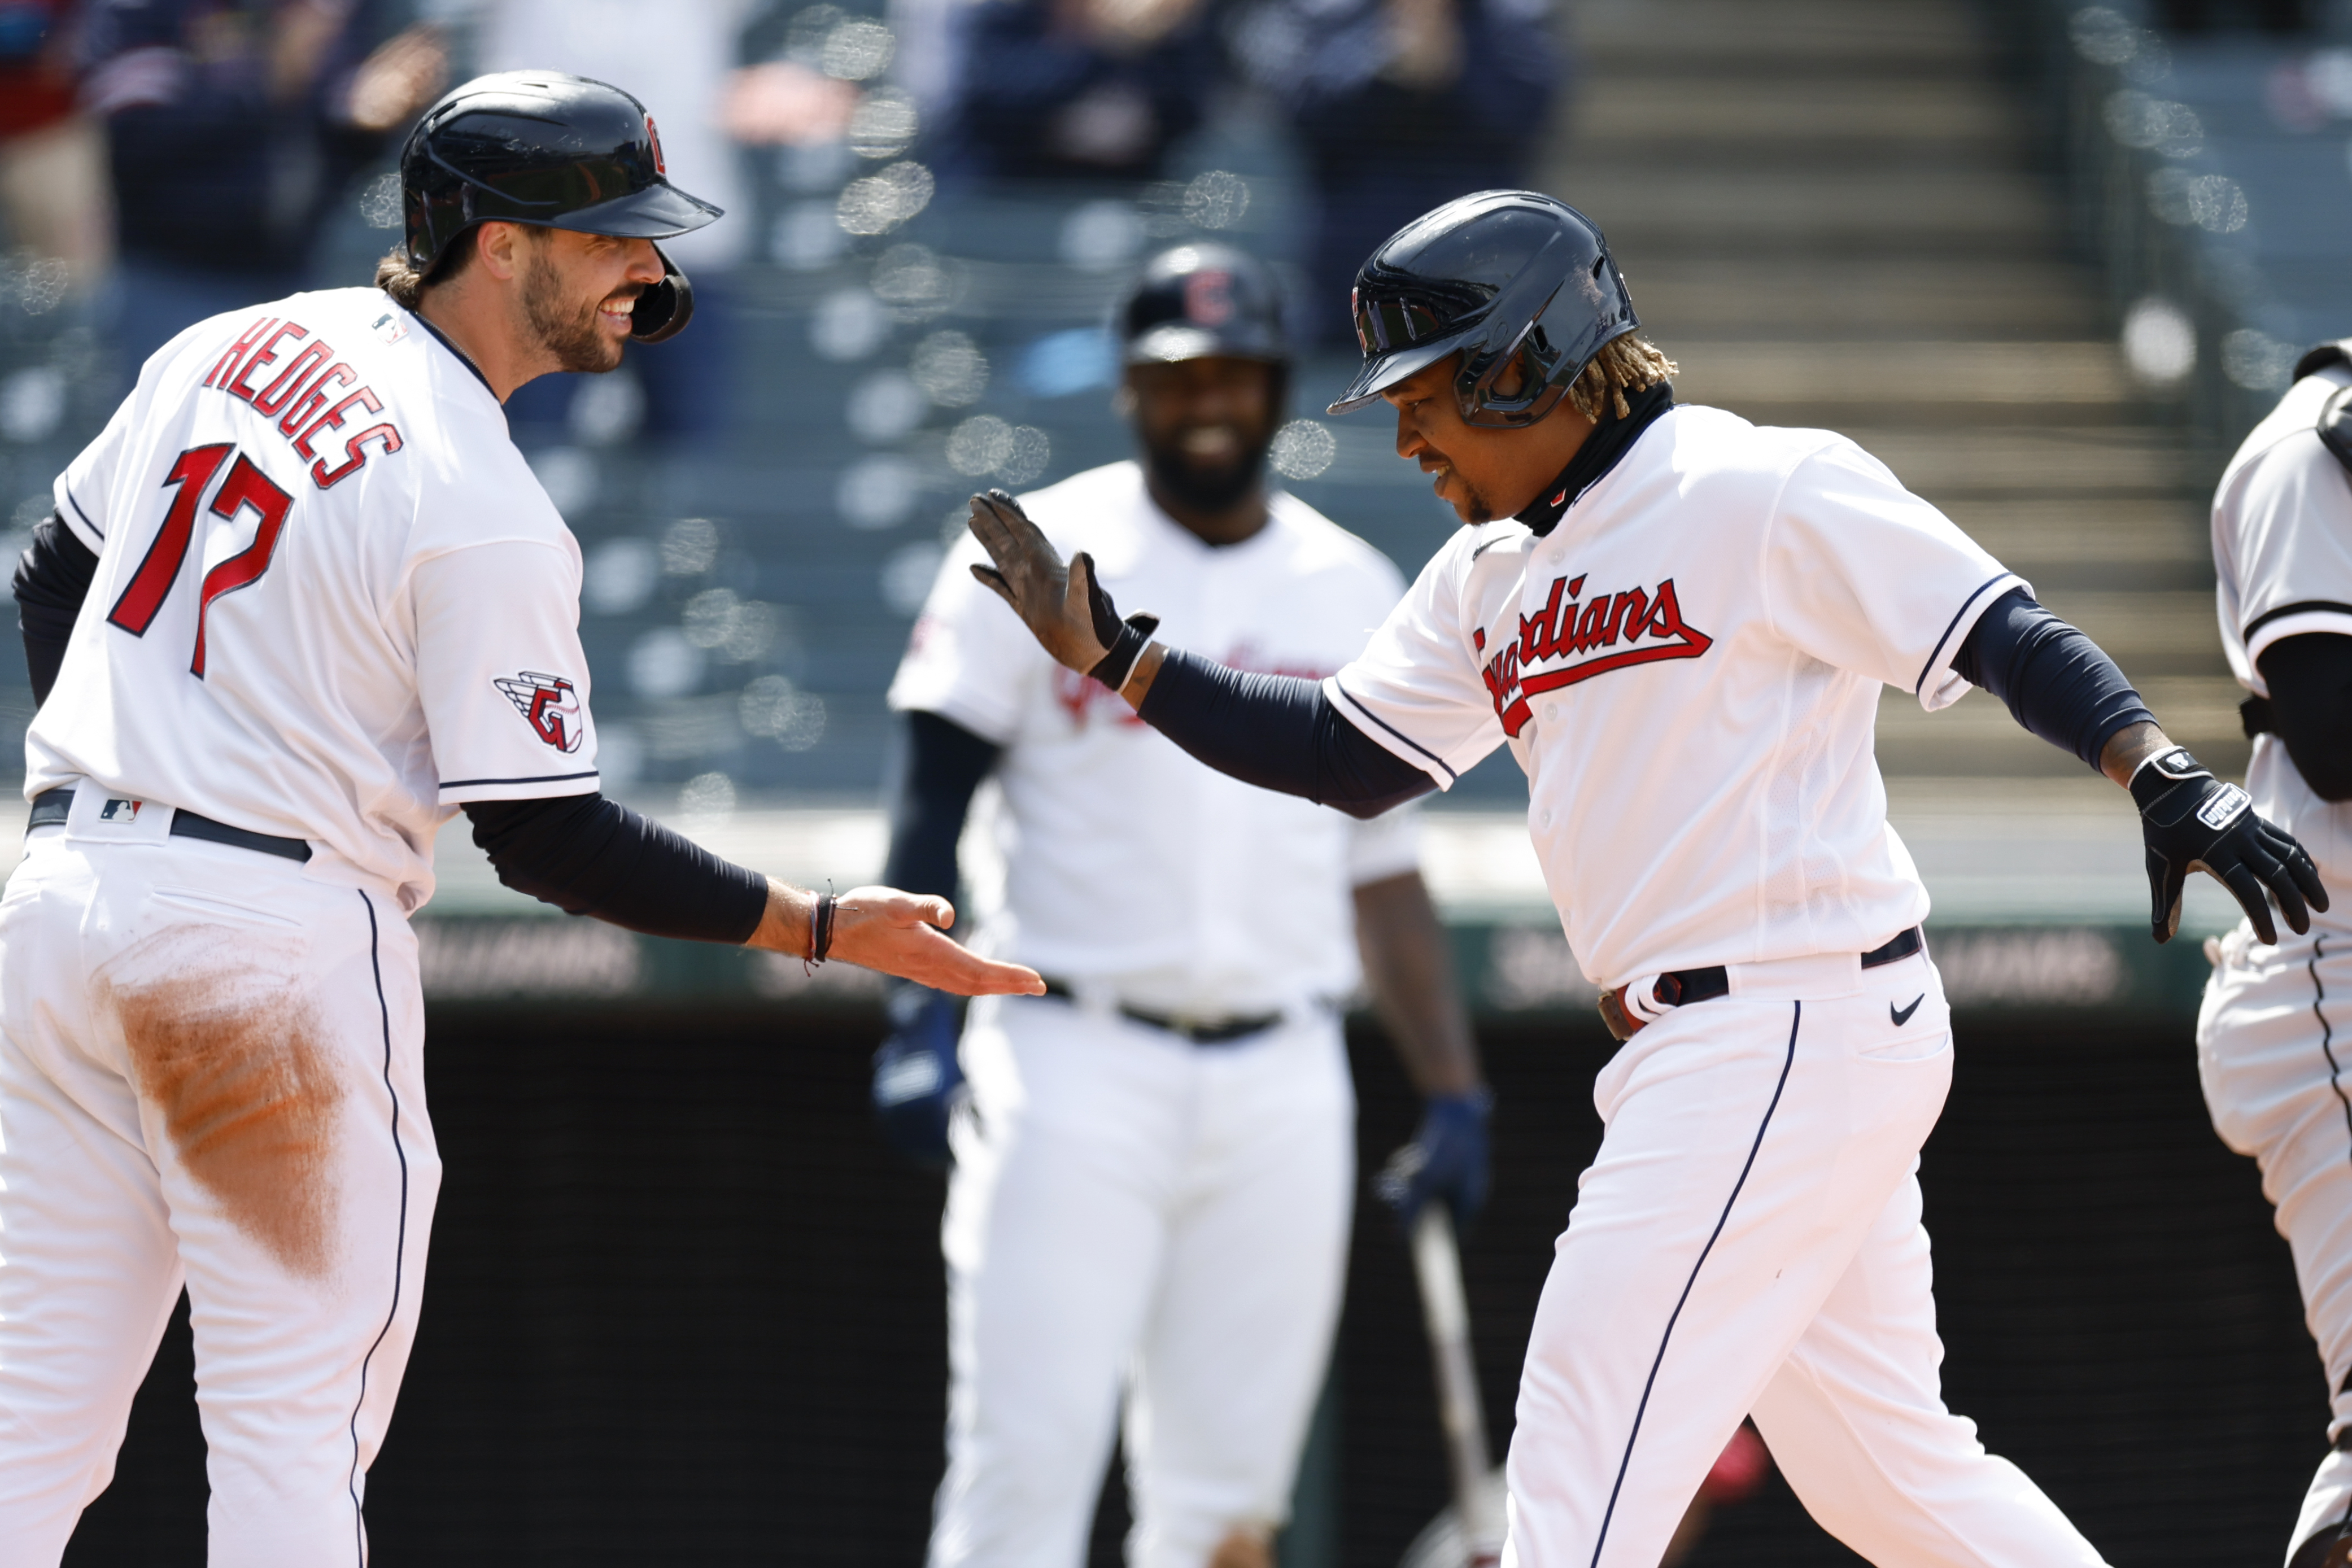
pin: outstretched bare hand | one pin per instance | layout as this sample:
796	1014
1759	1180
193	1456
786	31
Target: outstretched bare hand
901	934
905	934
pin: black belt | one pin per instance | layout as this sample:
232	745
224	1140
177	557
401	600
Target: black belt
1220	1031
51	807
1681	987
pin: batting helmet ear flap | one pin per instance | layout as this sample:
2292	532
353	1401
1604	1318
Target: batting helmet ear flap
663	310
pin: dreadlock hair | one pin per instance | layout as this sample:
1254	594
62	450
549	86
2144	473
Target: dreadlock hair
1629	363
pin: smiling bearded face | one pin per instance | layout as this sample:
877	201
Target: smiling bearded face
1205	426
564	306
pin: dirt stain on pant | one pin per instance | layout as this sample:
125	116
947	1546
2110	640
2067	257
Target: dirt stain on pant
243	1077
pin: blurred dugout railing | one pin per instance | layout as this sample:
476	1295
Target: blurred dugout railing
2211	175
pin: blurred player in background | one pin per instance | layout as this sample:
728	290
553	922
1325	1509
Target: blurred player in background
2272	1040
1153	1186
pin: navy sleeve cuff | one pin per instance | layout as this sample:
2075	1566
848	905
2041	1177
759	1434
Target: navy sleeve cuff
2056	682
588	855
1280	733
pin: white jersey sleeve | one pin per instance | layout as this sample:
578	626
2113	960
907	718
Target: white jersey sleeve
1417	687
500	673
84	491
2289	555
1866	577
969	658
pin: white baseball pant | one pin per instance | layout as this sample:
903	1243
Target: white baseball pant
211	1074
1748	1240
2274	1053
1130	1210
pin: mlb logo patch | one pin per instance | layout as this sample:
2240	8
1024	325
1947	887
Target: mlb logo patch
120	810
390	327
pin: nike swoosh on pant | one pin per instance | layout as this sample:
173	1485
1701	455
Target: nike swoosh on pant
1903	1017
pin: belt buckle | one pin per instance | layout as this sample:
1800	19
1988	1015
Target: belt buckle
1620	1023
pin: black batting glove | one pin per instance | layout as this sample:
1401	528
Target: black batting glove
2193	822
1447	1159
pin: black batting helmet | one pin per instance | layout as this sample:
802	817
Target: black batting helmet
1500	276
555	151
1199	300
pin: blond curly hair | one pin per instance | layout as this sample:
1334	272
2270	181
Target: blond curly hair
1625	364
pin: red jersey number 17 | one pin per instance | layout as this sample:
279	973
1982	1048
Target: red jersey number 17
190	475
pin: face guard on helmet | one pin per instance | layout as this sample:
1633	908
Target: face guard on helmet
554	151
1506	279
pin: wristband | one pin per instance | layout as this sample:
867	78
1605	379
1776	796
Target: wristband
2156	780
2156	775
820	929
1134	637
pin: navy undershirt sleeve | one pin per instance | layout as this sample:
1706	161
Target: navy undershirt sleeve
53	577
1280	733
939	766
2057	683
588	855
2310	678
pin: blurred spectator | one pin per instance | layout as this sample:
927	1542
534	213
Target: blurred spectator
232	127
1062	87
682	69
1403	105
52	158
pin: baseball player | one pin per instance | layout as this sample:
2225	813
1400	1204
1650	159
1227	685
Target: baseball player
1152	1188
2270	1037
301	601
1680	622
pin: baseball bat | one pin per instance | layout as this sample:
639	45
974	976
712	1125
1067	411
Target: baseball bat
1445	1310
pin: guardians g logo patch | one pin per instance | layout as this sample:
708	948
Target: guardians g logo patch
548	703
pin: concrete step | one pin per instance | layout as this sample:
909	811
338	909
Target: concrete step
1927	384
1975	735
1838	119
1697	208
1830	295
1788	39
2030	463
2096	544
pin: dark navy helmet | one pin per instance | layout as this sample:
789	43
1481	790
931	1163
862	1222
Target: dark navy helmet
1502	276
1199	300
552	150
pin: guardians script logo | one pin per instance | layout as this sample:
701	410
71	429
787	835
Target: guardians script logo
549	705
1606	632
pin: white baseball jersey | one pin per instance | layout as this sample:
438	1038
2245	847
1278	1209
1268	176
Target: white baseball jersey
1688	667
331	601
2283	554
1126	860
